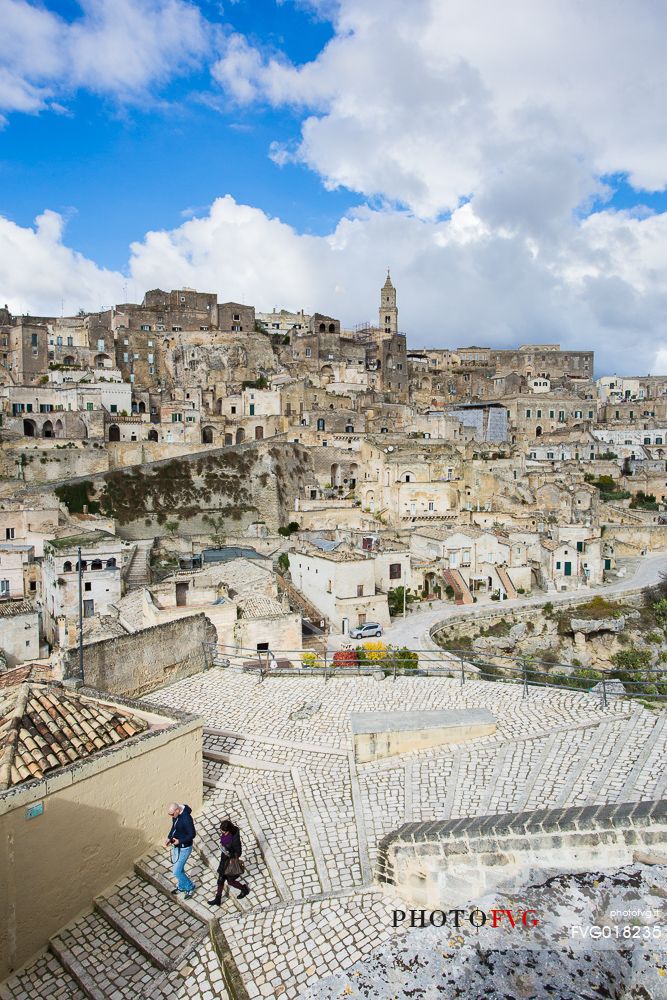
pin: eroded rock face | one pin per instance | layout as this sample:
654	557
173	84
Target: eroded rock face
493	643
589	626
557	957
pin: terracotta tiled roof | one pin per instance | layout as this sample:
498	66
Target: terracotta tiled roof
26	672
44	726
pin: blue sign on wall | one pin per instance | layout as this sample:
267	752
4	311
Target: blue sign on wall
36	809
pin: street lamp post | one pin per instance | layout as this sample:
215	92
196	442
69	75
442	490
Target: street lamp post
80	617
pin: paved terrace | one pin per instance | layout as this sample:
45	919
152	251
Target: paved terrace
278	761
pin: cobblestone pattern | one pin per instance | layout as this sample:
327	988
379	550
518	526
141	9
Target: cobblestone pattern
280	952
205	881
278	809
219	804
286	756
198	978
148	911
329	789
117	969
45	977
383	793
265	709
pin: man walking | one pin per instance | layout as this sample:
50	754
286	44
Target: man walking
180	839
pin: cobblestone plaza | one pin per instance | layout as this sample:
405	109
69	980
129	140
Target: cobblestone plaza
278	761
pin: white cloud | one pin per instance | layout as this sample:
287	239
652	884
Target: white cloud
429	101
38	271
603	285
117	48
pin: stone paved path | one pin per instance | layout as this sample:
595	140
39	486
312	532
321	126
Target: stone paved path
279	763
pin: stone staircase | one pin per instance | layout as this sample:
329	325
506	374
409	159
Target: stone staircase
298	602
507	584
462	593
140	941
137	571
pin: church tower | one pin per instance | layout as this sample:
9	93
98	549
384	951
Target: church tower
388	308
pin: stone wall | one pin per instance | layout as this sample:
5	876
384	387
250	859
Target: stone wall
51	462
442	864
98	817
132	665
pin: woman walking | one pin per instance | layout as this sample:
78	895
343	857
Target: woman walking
230	866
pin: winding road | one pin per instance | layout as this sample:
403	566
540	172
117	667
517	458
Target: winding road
413	631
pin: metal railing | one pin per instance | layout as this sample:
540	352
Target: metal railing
648	684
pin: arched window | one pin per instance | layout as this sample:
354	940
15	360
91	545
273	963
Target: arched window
114	432
332	327
47	429
111	563
96	564
322	328
67	567
207	435
84	565
152	435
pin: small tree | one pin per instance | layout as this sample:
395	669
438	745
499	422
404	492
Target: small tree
283	562
172	527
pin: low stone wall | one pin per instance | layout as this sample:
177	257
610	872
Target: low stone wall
472	622
132	665
447	862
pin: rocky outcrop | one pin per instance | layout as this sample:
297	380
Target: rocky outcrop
589	626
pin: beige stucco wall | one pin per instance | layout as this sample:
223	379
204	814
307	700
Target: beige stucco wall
98	818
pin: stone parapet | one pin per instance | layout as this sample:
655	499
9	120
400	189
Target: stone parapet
442	863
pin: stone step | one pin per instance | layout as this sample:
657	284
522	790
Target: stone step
152	922
280	951
618	756
649	764
43	979
156	873
222	802
101	961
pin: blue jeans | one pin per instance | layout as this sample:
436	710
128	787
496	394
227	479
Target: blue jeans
179	856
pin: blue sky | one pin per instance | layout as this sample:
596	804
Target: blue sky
510	166
116	172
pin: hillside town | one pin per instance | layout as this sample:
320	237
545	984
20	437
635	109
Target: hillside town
220	529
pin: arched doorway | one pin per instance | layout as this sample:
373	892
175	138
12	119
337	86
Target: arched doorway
240	435
229	439
259	433
114	432
207	435
60	430
152	435
102	361
321	425
29	428
68	359
538	431
335	474
142	406
47	429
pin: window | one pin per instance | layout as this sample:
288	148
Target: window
528	413
233	409
237	317
431	506
151	358
59	341
70	341
151	370
88	586
309	353
177	418
4	588
9	533
126	357
552	414
176	329
394	571
145	326
33	340
360	590
89	406
590	414
539	414
561	416
329	587
113	408
88	608
150	343
580	546
557	565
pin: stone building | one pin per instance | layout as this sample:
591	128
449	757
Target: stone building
341	585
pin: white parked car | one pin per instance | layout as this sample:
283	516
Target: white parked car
366	631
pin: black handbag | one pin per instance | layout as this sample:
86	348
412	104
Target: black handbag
234	867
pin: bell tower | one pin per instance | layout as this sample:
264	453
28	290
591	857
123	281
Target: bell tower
388	309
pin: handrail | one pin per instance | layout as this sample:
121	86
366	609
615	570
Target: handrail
647	684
